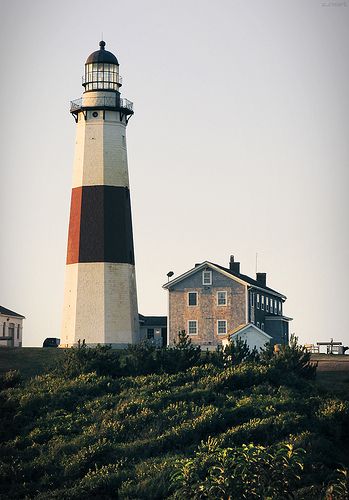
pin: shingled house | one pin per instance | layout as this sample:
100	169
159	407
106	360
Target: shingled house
210	300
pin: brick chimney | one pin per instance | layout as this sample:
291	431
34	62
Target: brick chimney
234	266
261	278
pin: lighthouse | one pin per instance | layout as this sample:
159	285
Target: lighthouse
100	296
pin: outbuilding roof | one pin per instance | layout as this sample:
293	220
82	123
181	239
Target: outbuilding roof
8	312
241	328
153	320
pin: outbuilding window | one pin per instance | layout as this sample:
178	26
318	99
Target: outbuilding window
150	333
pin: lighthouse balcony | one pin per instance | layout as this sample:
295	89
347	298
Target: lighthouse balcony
113	102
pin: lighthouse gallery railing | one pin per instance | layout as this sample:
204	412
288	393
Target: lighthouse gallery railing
100	101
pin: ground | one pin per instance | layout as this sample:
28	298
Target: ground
30	361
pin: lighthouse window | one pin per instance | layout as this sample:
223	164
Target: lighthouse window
101	76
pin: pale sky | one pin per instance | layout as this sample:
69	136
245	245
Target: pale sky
238	145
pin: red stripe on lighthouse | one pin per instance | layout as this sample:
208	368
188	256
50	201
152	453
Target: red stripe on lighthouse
74	226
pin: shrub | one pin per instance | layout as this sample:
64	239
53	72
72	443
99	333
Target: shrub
290	363
244	472
9	379
78	360
237	352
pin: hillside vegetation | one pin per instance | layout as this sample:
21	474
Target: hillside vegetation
156	424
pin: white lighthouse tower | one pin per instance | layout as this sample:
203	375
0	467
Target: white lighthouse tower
100	297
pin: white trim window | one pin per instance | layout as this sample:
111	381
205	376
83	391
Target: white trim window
192	327
262	307
222	298
267	304
221	326
252	299
275	307
262	327
280	310
207	278
257	324
258	303
192	298
271	306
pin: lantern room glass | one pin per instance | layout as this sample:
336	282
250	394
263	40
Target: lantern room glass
101	76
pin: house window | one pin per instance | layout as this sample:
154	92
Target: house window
267	304
252	299
150	333
271	305
280	311
207	277
258	324
192	298
221	327
11	330
192	327
221	298
263	302
18	331
3	329
275	307
262	327
258	301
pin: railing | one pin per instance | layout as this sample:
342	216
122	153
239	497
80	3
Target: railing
125	103
100	101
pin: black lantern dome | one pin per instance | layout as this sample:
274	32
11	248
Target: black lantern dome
101	71
102	56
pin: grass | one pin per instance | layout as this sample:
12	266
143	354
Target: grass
30	361
336	383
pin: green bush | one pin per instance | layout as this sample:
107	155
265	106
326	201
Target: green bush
244	472
9	379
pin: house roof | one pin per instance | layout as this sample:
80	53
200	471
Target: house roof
8	312
241	328
269	317
242	278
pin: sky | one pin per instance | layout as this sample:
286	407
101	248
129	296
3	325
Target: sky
238	146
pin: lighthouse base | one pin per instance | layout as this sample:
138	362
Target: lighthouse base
100	305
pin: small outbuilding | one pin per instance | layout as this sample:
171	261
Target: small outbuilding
11	325
251	334
153	329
